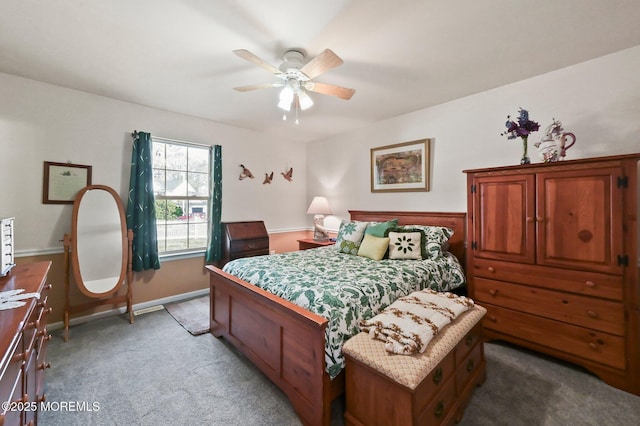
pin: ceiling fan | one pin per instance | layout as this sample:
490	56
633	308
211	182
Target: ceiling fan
297	77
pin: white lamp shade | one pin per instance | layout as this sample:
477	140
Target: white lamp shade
319	205
286	98
305	100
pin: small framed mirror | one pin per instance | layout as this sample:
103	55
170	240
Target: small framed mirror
98	251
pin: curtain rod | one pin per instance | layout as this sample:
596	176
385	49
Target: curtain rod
134	134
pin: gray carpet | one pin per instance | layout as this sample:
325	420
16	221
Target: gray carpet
154	372
192	314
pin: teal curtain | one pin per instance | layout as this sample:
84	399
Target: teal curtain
141	209
214	244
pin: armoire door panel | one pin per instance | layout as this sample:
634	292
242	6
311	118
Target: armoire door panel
504	226
580	222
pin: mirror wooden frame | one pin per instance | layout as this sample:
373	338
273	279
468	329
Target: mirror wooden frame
71	261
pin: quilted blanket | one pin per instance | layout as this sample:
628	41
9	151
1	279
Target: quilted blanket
409	324
344	288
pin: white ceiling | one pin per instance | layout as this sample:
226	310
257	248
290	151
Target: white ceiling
400	56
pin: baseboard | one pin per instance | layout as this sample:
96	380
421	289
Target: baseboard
139	307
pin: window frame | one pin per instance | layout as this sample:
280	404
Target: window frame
187	252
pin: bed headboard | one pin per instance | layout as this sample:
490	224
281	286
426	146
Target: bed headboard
453	220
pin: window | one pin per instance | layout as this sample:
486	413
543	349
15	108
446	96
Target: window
181	188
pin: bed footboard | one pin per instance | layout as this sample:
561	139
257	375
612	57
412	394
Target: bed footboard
285	341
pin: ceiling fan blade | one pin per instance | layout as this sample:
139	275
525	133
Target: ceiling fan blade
329	89
246	55
321	64
258	86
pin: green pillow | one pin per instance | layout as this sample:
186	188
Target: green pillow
373	247
379	229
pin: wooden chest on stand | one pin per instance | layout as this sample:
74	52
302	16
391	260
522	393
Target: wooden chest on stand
243	239
553	257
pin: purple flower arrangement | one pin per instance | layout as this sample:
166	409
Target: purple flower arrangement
521	129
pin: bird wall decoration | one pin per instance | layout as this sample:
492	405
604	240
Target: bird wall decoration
267	178
246	173
288	175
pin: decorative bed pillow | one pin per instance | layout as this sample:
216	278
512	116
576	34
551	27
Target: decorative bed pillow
379	229
350	236
436	238
373	247
405	244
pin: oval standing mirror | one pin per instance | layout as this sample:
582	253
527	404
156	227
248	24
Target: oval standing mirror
99	248
99	241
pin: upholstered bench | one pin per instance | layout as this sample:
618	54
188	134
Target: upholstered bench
430	388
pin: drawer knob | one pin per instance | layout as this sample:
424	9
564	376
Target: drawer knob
252	246
493	319
593	346
48	287
592	314
437	376
491	269
44	366
24	356
439	410
493	292
469	340
590	284
470	366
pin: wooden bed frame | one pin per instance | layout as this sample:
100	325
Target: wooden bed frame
285	341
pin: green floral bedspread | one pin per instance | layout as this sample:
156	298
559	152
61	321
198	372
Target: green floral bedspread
344	288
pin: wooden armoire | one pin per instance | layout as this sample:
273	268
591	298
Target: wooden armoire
552	253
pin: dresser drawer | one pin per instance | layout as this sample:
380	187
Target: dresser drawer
434	382
589	344
468	343
468	366
602	315
579	282
441	408
11	373
245	246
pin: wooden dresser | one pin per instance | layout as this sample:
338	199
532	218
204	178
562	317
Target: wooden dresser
243	239
553	257
23	345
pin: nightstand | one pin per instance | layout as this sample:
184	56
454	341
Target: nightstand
309	243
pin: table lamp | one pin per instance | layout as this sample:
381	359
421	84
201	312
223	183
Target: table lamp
319	207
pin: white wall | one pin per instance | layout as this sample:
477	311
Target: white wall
598	100
41	122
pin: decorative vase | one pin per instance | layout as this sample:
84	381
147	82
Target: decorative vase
525	156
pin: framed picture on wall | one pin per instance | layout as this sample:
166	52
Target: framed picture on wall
402	167
62	181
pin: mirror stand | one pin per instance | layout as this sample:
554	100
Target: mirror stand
115	299
98	252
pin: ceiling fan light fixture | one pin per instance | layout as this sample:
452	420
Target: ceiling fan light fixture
305	100
286	98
